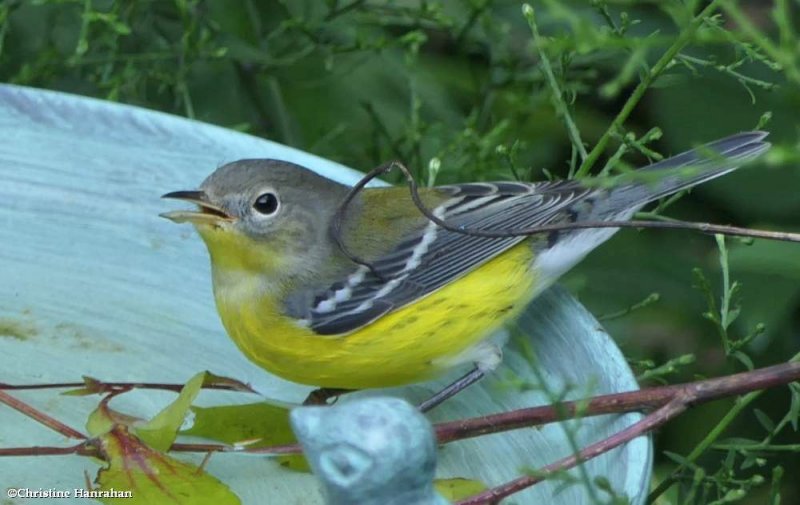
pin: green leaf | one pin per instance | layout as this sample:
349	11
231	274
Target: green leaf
160	432
775	491
744	359
212	379
91	387
254	424
732	496
764	420
458	488
153	477
749	462
794	409
681	460
98	422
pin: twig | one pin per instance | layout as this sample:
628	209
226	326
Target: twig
643	400
81	449
649	300
338	218
633	401
99	387
558	97
685	396
669	411
784	58
40	416
708	228
670	401
738	407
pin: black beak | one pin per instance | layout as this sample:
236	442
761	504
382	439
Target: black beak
198	197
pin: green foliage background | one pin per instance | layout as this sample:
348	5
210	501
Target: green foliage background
461	82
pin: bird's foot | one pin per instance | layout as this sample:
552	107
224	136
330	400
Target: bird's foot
322	396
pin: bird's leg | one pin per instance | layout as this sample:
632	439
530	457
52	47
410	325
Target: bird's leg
486	356
452	389
322	395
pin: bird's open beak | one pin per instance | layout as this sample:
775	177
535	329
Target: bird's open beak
206	211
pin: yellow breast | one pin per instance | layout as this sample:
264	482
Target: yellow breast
408	345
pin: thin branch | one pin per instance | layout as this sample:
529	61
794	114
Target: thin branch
101	387
708	228
645	400
669	400
558	96
738	407
81	449
273	450
685	396
784	58
40	416
669	411
338	218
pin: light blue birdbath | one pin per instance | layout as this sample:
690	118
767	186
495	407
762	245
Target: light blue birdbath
92	282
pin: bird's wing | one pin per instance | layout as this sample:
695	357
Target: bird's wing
430	257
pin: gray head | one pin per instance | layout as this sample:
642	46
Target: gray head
257	195
370	451
260	214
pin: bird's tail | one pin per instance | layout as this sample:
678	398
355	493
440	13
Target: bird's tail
686	170
650	183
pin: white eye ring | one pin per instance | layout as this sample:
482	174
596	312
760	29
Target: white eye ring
267	203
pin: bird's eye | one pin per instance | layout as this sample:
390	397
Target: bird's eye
266	204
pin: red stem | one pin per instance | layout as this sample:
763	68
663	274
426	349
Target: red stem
669	411
632	401
39	416
107	387
669	401
683	397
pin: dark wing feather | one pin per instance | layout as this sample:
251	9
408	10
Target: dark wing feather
432	257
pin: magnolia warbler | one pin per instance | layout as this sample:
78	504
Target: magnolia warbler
430	298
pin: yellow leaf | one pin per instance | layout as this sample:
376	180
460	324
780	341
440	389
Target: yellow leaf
458	488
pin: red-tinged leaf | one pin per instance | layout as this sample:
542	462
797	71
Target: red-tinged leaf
153	477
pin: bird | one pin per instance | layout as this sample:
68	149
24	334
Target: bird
374	294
